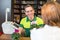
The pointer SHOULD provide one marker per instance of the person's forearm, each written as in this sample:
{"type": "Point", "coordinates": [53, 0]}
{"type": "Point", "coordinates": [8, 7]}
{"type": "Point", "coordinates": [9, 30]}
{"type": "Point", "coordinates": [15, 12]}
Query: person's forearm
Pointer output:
{"type": "Point", "coordinates": [21, 30]}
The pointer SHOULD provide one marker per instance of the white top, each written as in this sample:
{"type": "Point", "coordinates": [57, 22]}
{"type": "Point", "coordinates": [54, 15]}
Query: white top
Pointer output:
{"type": "Point", "coordinates": [46, 33]}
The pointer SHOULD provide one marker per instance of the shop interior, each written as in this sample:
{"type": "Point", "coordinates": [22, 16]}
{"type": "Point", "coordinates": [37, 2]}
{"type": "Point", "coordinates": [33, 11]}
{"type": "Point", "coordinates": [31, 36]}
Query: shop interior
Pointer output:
{"type": "Point", "coordinates": [13, 10]}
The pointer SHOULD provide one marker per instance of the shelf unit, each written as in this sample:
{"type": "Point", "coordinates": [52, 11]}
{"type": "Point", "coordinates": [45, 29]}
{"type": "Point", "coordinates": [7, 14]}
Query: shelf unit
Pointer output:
{"type": "Point", "coordinates": [18, 8]}
{"type": "Point", "coordinates": [16, 16]}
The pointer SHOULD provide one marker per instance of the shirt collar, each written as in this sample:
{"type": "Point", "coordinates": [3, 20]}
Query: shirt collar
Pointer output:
{"type": "Point", "coordinates": [34, 19]}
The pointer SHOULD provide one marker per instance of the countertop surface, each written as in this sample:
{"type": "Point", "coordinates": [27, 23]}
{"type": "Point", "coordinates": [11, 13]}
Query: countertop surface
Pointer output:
{"type": "Point", "coordinates": [8, 37]}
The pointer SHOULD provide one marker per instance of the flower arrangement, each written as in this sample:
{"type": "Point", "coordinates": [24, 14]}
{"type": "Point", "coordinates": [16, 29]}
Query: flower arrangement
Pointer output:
{"type": "Point", "coordinates": [15, 35]}
{"type": "Point", "coordinates": [34, 26]}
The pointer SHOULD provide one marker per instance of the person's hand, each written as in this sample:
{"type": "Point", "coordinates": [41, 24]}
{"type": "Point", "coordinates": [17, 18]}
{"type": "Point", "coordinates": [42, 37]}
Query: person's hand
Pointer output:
{"type": "Point", "coordinates": [12, 22]}
{"type": "Point", "coordinates": [21, 30]}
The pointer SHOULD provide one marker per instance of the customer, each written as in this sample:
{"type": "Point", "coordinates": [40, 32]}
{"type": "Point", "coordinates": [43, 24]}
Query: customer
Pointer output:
{"type": "Point", "coordinates": [51, 17]}
{"type": "Point", "coordinates": [28, 20]}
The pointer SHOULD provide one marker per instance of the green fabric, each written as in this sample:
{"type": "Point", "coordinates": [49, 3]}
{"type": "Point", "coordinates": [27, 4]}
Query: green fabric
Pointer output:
{"type": "Point", "coordinates": [26, 24]}
{"type": "Point", "coordinates": [27, 32]}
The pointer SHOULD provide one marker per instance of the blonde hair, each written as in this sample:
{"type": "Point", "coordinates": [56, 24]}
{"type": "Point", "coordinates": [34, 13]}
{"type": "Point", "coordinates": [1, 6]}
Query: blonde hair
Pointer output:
{"type": "Point", "coordinates": [51, 13]}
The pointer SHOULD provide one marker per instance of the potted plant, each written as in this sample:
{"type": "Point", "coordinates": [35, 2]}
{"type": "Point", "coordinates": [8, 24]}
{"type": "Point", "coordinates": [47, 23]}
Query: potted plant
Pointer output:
{"type": "Point", "coordinates": [15, 35]}
{"type": "Point", "coordinates": [34, 26]}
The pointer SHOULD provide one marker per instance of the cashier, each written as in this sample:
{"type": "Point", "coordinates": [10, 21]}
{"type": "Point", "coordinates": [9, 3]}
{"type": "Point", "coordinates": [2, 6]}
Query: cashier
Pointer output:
{"type": "Point", "coordinates": [25, 23]}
